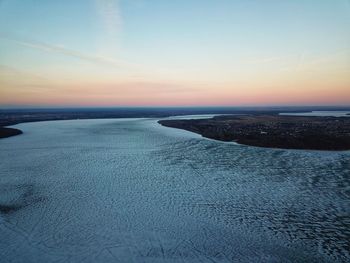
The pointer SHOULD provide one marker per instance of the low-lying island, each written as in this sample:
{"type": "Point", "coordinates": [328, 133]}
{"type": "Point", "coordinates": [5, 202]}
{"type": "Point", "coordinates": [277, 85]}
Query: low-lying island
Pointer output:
{"type": "Point", "coordinates": [273, 131]}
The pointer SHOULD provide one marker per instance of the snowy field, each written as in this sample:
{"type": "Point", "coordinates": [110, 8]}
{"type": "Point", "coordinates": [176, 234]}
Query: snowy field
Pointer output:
{"type": "Point", "coordinates": [130, 190]}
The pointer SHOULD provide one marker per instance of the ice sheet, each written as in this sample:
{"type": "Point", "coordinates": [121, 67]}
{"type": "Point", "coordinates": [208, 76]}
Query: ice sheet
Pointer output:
{"type": "Point", "coordinates": [133, 191]}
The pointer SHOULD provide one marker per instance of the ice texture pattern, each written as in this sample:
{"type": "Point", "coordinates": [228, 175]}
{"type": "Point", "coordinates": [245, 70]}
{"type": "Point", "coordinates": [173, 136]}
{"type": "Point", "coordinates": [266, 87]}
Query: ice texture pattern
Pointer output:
{"type": "Point", "coordinates": [131, 190]}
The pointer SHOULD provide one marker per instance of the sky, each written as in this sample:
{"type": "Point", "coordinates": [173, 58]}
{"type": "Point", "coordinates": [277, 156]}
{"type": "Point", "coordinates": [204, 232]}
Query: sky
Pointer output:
{"type": "Point", "coordinates": [111, 53]}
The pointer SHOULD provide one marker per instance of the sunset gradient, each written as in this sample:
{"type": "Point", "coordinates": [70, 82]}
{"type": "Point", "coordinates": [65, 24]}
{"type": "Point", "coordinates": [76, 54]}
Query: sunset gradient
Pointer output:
{"type": "Point", "coordinates": [174, 53]}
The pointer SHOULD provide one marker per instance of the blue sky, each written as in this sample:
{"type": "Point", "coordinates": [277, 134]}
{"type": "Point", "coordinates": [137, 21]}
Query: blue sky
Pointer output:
{"type": "Point", "coordinates": [221, 52]}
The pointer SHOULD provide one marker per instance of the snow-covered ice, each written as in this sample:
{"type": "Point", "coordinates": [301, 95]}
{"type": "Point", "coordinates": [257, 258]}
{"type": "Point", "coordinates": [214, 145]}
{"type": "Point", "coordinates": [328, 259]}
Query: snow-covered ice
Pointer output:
{"type": "Point", "coordinates": [130, 190]}
{"type": "Point", "coordinates": [319, 113]}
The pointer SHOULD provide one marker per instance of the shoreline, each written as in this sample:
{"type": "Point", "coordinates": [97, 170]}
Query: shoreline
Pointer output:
{"type": "Point", "coordinates": [6, 132]}
{"type": "Point", "coordinates": [273, 131]}
{"type": "Point", "coordinates": [252, 130]}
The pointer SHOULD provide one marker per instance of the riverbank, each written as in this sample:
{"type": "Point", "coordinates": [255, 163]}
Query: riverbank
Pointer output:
{"type": "Point", "coordinates": [273, 131]}
{"type": "Point", "coordinates": [8, 132]}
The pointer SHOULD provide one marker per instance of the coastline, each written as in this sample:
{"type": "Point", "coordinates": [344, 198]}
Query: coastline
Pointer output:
{"type": "Point", "coordinates": [273, 131]}
{"type": "Point", "coordinates": [258, 130]}
{"type": "Point", "coordinates": [6, 132]}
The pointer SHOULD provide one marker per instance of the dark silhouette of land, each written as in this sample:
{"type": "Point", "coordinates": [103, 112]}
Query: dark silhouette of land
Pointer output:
{"type": "Point", "coordinates": [273, 131]}
{"type": "Point", "coordinates": [14, 116]}
{"type": "Point", "coordinates": [255, 126]}
{"type": "Point", "coordinates": [8, 132]}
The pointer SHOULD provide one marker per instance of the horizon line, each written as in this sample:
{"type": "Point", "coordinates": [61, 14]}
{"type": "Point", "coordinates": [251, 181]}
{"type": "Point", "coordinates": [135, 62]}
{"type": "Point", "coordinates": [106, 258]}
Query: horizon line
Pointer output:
{"type": "Point", "coordinates": [34, 107]}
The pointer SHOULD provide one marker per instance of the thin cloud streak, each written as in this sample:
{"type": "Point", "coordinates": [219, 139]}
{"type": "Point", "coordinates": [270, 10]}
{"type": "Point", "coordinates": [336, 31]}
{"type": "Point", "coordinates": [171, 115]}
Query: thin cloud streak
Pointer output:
{"type": "Point", "coordinates": [266, 60]}
{"type": "Point", "coordinates": [136, 71]}
{"type": "Point", "coordinates": [69, 52]}
{"type": "Point", "coordinates": [109, 13]}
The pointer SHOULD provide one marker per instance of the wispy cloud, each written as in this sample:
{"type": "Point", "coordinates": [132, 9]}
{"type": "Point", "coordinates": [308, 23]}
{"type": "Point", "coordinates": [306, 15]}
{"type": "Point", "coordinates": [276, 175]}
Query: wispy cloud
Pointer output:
{"type": "Point", "coordinates": [110, 16]}
{"type": "Point", "coordinates": [336, 60]}
{"type": "Point", "coordinates": [306, 60]}
{"type": "Point", "coordinates": [133, 70]}
{"type": "Point", "coordinates": [67, 52]}
{"type": "Point", "coordinates": [266, 60]}
{"type": "Point", "coordinates": [15, 72]}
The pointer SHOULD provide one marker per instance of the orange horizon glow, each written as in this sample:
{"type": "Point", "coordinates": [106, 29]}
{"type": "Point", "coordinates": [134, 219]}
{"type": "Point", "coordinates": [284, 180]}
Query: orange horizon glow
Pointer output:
{"type": "Point", "coordinates": [121, 55]}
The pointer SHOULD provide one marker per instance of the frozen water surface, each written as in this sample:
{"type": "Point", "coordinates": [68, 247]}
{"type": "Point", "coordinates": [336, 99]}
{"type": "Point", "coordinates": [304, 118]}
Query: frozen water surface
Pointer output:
{"type": "Point", "coordinates": [319, 113]}
{"type": "Point", "coordinates": [133, 191]}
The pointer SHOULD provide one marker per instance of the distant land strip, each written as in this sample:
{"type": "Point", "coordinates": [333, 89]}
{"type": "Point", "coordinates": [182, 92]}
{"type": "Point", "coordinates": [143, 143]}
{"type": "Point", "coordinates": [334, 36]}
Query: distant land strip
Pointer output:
{"type": "Point", "coordinates": [273, 131]}
{"type": "Point", "coordinates": [15, 116]}
{"type": "Point", "coordinates": [256, 127]}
